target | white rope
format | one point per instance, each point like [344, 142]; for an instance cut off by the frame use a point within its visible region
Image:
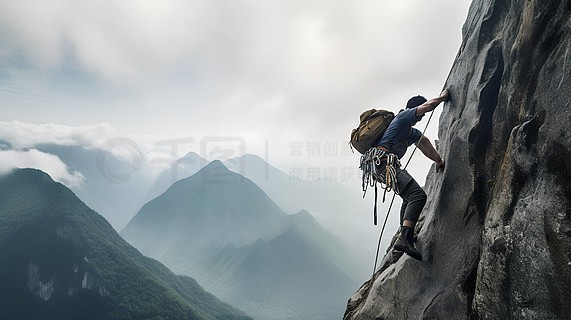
[373, 173]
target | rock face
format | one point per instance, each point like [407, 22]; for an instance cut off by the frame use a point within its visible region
[495, 234]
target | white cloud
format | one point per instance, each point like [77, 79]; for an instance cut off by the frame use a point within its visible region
[277, 71]
[49, 163]
[23, 139]
[21, 135]
[261, 42]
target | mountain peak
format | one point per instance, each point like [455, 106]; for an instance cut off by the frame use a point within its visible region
[251, 157]
[248, 160]
[19, 183]
[215, 165]
[216, 172]
[304, 216]
[30, 173]
[191, 158]
[191, 154]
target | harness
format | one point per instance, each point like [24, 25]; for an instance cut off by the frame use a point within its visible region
[373, 173]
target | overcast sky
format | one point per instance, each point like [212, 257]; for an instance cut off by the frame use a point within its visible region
[285, 80]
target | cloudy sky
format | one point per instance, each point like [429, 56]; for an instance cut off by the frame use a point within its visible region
[285, 80]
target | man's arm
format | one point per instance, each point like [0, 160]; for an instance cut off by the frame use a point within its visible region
[428, 150]
[432, 103]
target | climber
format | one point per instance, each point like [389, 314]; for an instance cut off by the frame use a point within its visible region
[397, 138]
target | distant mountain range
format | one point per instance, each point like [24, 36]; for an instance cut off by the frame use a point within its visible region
[336, 206]
[117, 187]
[61, 260]
[220, 227]
[180, 169]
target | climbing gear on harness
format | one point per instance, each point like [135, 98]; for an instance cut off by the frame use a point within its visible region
[374, 172]
[373, 124]
[404, 243]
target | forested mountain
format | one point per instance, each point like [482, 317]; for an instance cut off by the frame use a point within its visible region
[61, 260]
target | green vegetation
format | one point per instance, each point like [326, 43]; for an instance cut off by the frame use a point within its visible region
[61, 260]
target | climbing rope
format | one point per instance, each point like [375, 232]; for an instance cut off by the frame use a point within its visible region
[394, 194]
[370, 163]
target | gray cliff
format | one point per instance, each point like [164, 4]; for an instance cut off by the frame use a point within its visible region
[495, 234]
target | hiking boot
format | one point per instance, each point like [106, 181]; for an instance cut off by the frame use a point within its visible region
[404, 243]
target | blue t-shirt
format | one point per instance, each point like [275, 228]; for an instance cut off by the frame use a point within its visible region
[400, 134]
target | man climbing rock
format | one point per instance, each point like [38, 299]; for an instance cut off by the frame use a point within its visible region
[399, 135]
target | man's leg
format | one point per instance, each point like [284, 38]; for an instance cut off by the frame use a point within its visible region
[415, 198]
[403, 210]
